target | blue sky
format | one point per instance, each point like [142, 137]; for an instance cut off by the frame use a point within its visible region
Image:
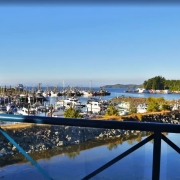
[105, 44]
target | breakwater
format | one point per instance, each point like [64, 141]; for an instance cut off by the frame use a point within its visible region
[73, 150]
[172, 117]
[43, 137]
[39, 138]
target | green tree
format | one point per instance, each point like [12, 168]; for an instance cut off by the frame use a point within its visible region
[132, 108]
[72, 113]
[165, 107]
[157, 104]
[157, 82]
[153, 104]
[160, 83]
[111, 110]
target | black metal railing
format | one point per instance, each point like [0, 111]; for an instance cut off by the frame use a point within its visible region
[156, 128]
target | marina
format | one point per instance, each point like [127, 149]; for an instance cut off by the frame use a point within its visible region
[89, 92]
[48, 101]
[42, 101]
[71, 155]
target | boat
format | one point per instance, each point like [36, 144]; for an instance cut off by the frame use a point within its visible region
[39, 96]
[123, 112]
[11, 109]
[94, 104]
[42, 108]
[3, 109]
[53, 94]
[142, 108]
[56, 112]
[71, 101]
[123, 105]
[46, 94]
[19, 87]
[23, 98]
[142, 90]
[123, 108]
[166, 91]
[101, 92]
[25, 111]
[2, 100]
[86, 93]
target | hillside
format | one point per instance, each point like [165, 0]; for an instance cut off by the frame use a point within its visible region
[130, 86]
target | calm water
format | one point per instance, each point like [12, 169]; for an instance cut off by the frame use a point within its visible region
[120, 92]
[75, 162]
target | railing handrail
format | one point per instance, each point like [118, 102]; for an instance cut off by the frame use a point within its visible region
[109, 124]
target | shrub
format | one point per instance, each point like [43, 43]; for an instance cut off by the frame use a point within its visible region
[153, 106]
[132, 108]
[72, 113]
[165, 107]
[112, 110]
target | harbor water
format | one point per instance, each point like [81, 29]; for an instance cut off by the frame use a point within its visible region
[76, 161]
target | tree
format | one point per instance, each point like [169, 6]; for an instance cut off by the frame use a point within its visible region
[160, 83]
[133, 108]
[112, 110]
[165, 107]
[157, 104]
[153, 105]
[157, 82]
[72, 113]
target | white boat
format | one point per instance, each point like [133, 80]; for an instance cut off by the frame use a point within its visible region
[11, 109]
[59, 104]
[54, 94]
[72, 101]
[94, 105]
[58, 113]
[123, 108]
[26, 112]
[39, 96]
[87, 93]
[41, 108]
[166, 91]
[123, 112]
[142, 90]
[142, 108]
[31, 99]
[175, 107]
[123, 105]
[19, 87]
[46, 94]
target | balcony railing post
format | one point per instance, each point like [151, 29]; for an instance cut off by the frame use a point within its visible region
[156, 155]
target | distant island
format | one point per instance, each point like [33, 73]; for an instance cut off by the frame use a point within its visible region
[129, 86]
[156, 83]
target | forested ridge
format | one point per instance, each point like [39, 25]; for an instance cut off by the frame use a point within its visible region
[160, 83]
[130, 86]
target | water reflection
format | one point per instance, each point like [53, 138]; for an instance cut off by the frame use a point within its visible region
[74, 150]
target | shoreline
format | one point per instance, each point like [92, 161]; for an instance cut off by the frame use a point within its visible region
[36, 138]
[39, 138]
[75, 149]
